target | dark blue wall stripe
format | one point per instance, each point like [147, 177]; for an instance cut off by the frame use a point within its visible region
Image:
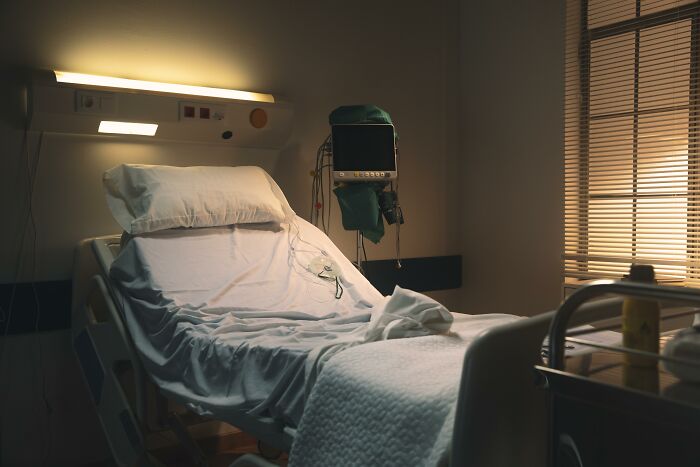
[54, 298]
[419, 274]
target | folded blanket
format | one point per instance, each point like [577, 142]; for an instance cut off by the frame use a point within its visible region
[403, 314]
[390, 402]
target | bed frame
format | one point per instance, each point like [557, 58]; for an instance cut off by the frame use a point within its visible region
[501, 415]
[131, 408]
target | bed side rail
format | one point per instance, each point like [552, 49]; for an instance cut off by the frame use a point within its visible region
[501, 417]
[102, 346]
[568, 310]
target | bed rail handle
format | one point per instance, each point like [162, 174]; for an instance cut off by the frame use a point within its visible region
[97, 282]
[558, 327]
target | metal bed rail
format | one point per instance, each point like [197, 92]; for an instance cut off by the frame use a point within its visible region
[601, 407]
[104, 346]
[560, 322]
[101, 345]
[501, 418]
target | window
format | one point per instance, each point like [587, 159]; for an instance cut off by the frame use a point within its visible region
[632, 174]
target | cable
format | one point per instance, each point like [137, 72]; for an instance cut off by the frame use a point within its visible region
[294, 239]
[32, 174]
[7, 318]
[362, 243]
[330, 179]
[399, 214]
[29, 221]
[320, 207]
[398, 245]
[35, 254]
[338, 289]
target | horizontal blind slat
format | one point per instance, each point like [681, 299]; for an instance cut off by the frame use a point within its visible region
[632, 139]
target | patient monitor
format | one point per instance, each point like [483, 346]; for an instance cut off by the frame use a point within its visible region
[363, 152]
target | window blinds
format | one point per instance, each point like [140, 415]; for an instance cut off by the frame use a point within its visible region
[632, 175]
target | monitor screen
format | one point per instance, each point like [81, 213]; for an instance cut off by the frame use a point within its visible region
[363, 147]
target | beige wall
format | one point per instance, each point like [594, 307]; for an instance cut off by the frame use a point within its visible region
[318, 54]
[511, 78]
[474, 87]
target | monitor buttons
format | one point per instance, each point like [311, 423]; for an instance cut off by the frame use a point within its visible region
[341, 174]
[357, 174]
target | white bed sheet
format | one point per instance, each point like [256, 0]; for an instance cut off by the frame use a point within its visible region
[224, 317]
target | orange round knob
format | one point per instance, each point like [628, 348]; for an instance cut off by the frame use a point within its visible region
[258, 118]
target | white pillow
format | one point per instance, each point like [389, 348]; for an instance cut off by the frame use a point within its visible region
[146, 198]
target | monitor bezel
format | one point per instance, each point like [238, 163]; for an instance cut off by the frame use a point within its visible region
[354, 176]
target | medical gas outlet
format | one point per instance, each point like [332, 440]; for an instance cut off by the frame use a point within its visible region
[201, 111]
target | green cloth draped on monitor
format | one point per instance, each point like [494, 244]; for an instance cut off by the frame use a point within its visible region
[359, 202]
[359, 206]
[360, 114]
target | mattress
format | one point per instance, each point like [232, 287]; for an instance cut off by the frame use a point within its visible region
[224, 318]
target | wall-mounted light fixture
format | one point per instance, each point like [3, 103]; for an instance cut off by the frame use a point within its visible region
[128, 128]
[82, 104]
[123, 83]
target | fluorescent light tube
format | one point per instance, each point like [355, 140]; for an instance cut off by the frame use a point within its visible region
[111, 82]
[128, 128]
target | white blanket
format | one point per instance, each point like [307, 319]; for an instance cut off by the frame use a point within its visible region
[230, 319]
[388, 403]
[225, 317]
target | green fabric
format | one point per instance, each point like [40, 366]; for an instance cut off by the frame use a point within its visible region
[359, 206]
[360, 114]
[359, 202]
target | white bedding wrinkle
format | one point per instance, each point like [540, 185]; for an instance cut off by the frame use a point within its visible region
[229, 320]
[404, 313]
[224, 317]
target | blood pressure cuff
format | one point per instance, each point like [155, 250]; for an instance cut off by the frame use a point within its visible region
[360, 114]
[359, 206]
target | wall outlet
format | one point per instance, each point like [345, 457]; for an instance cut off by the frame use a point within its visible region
[202, 111]
[92, 102]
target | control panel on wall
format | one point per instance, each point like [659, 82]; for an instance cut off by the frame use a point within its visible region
[64, 108]
[201, 111]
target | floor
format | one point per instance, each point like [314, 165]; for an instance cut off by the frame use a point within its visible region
[219, 453]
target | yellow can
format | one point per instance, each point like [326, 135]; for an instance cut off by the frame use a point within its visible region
[640, 321]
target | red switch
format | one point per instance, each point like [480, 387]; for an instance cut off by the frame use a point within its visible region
[189, 111]
[204, 112]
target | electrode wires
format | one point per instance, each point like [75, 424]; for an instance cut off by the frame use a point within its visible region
[321, 187]
[318, 278]
[399, 214]
[28, 232]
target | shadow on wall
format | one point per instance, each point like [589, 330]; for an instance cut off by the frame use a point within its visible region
[289, 163]
[13, 97]
[47, 417]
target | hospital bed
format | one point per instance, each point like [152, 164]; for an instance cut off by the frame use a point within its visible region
[139, 387]
[130, 406]
[498, 405]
